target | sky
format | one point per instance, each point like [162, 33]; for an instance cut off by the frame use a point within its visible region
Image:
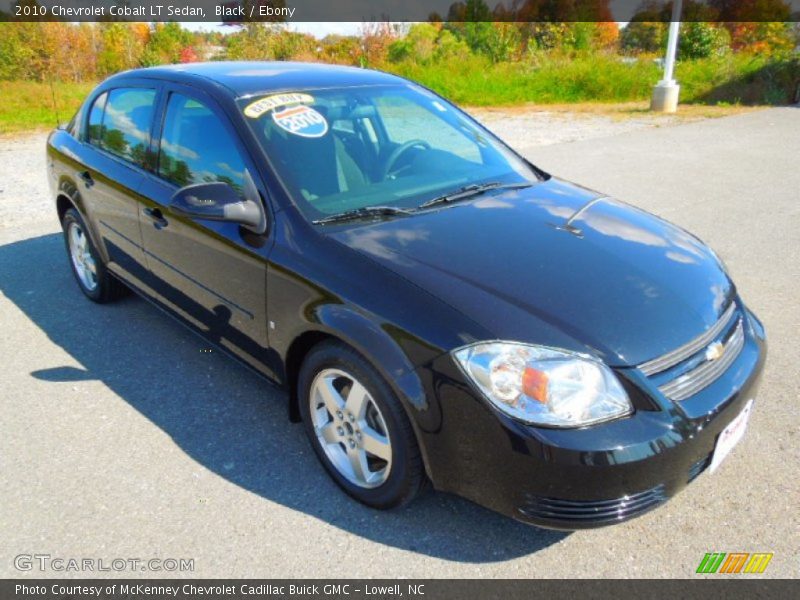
[319, 30]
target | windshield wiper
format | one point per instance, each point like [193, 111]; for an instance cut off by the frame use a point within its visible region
[366, 211]
[474, 190]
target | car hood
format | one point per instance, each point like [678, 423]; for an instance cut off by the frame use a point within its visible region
[554, 264]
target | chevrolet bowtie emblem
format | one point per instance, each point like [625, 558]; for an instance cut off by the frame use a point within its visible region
[714, 351]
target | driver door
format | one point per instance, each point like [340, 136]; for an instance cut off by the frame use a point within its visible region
[211, 273]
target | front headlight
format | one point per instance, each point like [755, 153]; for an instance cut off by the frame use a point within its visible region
[544, 386]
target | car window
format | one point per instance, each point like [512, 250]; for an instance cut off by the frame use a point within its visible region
[94, 129]
[405, 120]
[354, 147]
[126, 123]
[196, 147]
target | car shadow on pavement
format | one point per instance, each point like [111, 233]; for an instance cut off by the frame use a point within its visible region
[226, 417]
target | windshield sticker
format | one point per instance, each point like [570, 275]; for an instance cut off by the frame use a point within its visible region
[301, 120]
[264, 105]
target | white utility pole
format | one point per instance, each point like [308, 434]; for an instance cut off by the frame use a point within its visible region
[665, 94]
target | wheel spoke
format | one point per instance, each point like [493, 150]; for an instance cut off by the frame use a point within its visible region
[74, 236]
[357, 400]
[332, 399]
[90, 266]
[376, 444]
[328, 433]
[358, 462]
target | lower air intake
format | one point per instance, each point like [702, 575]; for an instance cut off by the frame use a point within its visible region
[593, 511]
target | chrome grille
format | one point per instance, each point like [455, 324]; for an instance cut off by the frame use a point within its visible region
[594, 512]
[695, 380]
[670, 359]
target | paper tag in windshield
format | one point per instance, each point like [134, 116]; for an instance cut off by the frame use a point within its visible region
[268, 103]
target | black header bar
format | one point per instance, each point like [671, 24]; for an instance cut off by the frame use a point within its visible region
[234, 11]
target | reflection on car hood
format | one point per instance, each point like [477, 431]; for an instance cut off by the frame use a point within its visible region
[549, 265]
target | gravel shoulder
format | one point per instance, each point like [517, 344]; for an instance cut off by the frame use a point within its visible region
[24, 196]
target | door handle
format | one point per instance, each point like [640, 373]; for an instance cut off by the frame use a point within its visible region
[159, 222]
[87, 178]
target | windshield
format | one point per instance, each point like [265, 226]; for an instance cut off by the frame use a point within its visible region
[399, 146]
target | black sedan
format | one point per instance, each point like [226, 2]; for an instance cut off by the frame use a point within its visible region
[438, 309]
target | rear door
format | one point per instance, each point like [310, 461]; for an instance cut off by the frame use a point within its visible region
[117, 137]
[213, 274]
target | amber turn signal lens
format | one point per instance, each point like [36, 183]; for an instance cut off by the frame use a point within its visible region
[534, 384]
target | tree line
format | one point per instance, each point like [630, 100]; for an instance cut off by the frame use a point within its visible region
[39, 51]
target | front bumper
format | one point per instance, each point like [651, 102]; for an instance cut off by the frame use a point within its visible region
[581, 478]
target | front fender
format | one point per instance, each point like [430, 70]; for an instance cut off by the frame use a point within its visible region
[378, 345]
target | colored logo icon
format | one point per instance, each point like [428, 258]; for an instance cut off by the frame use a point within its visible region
[734, 562]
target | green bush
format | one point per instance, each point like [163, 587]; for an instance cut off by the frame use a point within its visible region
[551, 36]
[739, 79]
[502, 41]
[426, 42]
[643, 36]
[703, 40]
[418, 44]
[450, 48]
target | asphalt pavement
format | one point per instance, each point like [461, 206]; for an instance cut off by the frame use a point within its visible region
[121, 438]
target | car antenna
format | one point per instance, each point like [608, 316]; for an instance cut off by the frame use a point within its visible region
[53, 95]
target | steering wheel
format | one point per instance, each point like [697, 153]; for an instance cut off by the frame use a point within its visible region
[398, 152]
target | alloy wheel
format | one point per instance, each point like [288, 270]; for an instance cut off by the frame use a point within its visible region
[350, 428]
[81, 256]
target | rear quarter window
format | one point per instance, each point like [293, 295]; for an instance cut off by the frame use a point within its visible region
[94, 126]
[126, 121]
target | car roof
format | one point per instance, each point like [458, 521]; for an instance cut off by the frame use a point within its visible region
[243, 78]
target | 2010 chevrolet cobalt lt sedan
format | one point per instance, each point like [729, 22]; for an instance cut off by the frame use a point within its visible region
[438, 309]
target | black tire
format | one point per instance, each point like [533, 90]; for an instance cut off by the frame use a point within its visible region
[406, 477]
[108, 288]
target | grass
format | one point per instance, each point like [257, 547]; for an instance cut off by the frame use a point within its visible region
[477, 82]
[604, 78]
[28, 105]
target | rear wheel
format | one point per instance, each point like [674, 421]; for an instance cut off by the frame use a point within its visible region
[358, 428]
[91, 274]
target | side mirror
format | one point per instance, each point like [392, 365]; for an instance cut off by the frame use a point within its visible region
[218, 201]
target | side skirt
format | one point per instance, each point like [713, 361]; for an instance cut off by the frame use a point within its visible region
[192, 328]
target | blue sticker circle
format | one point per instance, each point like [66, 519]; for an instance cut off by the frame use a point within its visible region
[301, 120]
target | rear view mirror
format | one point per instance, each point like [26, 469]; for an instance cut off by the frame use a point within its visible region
[219, 201]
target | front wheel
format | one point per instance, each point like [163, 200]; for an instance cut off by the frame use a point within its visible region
[91, 274]
[358, 428]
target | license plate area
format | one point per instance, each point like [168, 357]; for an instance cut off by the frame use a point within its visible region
[730, 436]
